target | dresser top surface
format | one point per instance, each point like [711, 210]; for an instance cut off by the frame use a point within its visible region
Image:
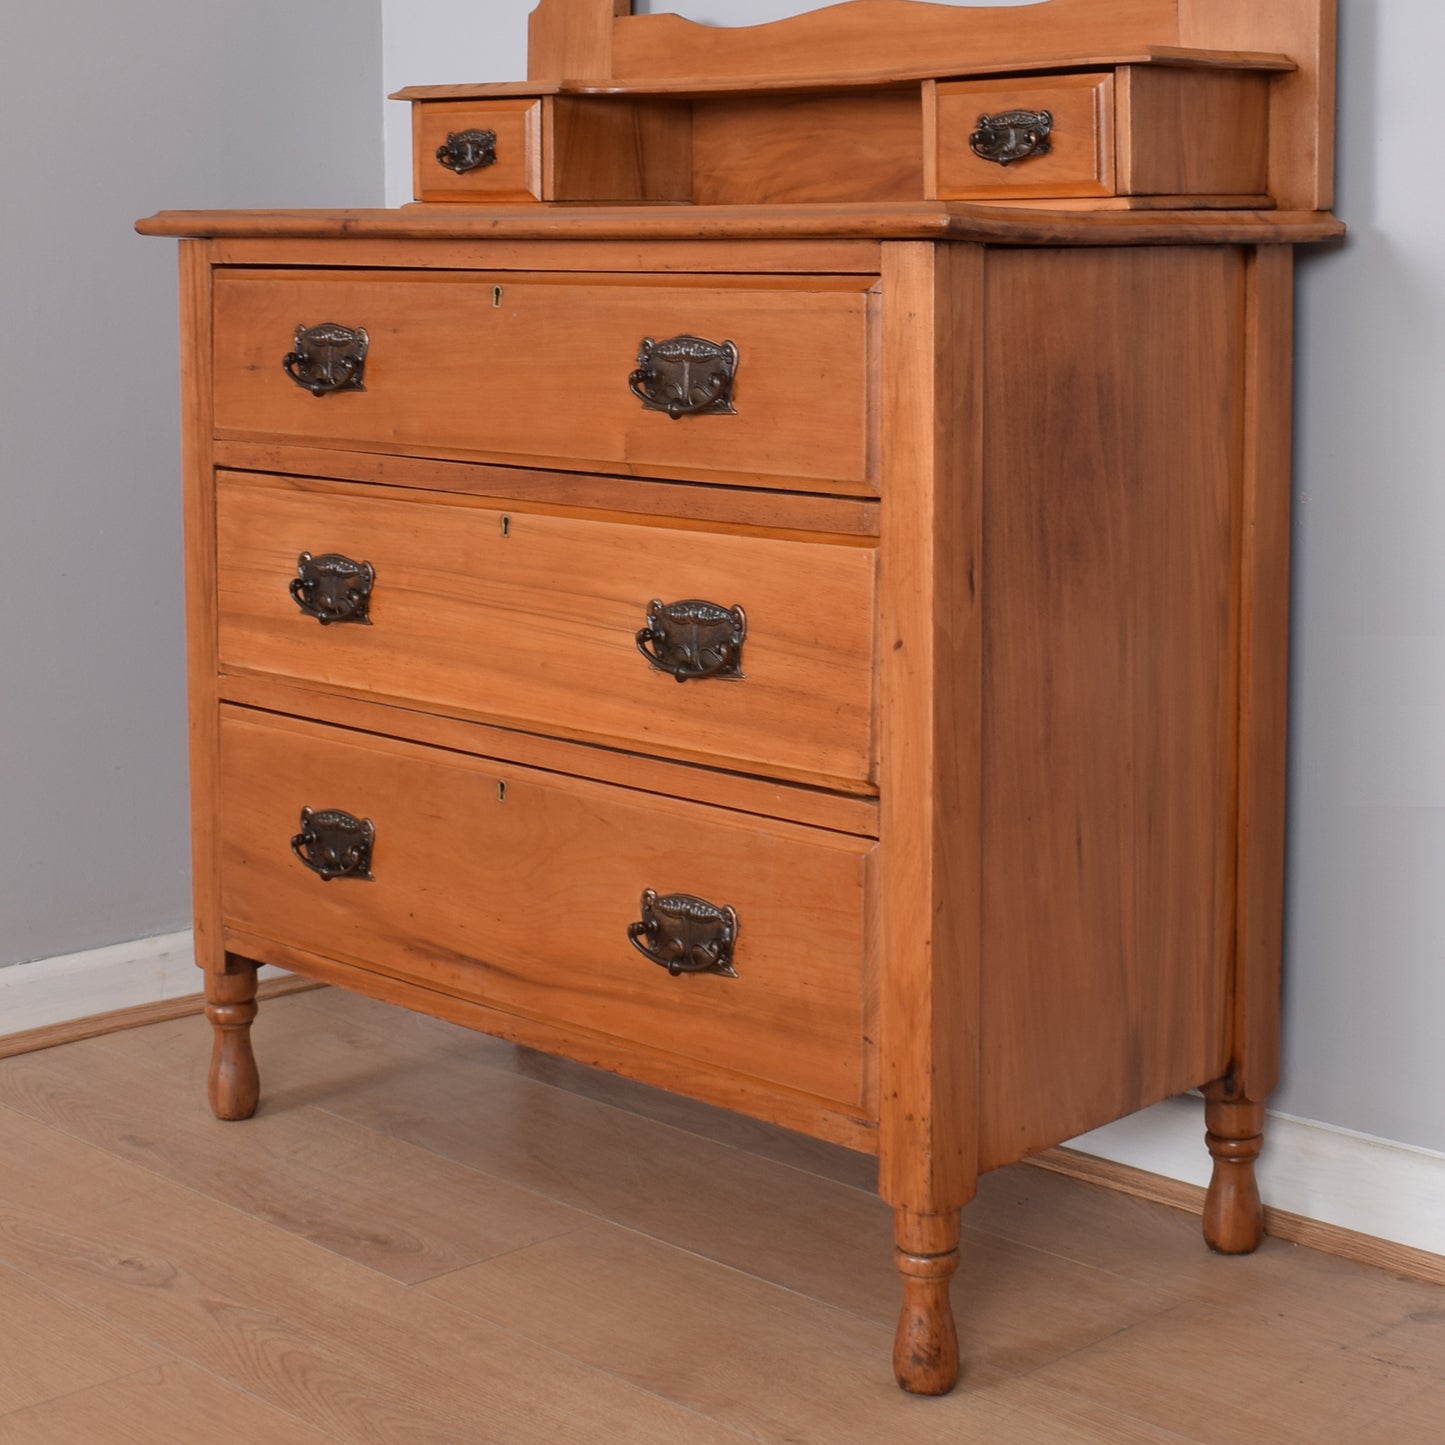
[980, 223]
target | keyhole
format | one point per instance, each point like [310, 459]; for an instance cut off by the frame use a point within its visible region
[506, 526]
[496, 296]
[501, 792]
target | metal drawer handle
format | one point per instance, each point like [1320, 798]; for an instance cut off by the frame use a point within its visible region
[684, 934]
[1012, 135]
[468, 150]
[333, 588]
[333, 844]
[694, 639]
[685, 376]
[327, 358]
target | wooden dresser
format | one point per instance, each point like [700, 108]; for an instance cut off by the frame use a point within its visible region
[771, 576]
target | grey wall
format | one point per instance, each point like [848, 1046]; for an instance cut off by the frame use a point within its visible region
[1365, 963]
[108, 112]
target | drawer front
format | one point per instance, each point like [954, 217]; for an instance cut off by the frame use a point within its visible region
[533, 620]
[1080, 139]
[490, 151]
[541, 369]
[519, 889]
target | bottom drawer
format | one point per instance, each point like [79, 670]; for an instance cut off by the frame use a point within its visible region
[525, 890]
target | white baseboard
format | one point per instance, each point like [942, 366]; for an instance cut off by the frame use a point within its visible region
[1368, 1185]
[100, 980]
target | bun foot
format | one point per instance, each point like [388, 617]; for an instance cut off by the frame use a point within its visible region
[234, 1086]
[925, 1349]
[1233, 1213]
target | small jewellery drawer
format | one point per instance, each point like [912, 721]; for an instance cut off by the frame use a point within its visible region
[739, 650]
[736, 940]
[1138, 130]
[762, 379]
[480, 151]
[1052, 136]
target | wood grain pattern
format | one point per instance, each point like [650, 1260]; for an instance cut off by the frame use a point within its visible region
[1194, 57]
[1302, 102]
[930, 657]
[618, 150]
[504, 614]
[930, 646]
[819, 1119]
[1080, 161]
[198, 515]
[650, 775]
[815, 257]
[957, 221]
[300, 1169]
[457, 366]
[331, 1343]
[688, 506]
[1051, 1267]
[61, 1347]
[1192, 132]
[1111, 689]
[805, 149]
[168, 1404]
[516, 175]
[522, 900]
[872, 36]
[572, 37]
[1264, 673]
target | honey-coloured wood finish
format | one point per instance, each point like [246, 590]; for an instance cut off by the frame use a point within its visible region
[1080, 159]
[604, 150]
[505, 614]
[997, 804]
[516, 888]
[514, 175]
[536, 369]
[1192, 132]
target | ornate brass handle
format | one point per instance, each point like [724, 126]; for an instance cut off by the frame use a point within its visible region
[327, 358]
[333, 588]
[694, 639]
[333, 844]
[684, 934]
[685, 376]
[1012, 135]
[468, 150]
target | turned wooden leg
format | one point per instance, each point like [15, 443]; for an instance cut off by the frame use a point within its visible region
[925, 1349]
[235, 1085]
[1233, 1214]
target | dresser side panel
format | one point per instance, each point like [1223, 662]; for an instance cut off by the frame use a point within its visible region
[199, 521]
[1113, 464]
[930, 645]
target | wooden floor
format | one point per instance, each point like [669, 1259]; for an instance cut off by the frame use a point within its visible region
[427, 1236]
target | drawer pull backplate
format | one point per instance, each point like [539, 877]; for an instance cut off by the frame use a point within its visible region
[333, 844]
[694, 639]
[684, 934]
[685, 376]
[1012, 135]
[327, 358]
[468, 150]
[333, 588]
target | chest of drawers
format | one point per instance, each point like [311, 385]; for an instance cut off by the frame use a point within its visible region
[824, 659]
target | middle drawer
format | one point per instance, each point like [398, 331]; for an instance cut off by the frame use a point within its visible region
[555, 623]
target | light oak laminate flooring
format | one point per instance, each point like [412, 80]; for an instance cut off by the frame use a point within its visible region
[430, 1236]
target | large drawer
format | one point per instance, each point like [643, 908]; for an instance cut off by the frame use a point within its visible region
[532, 620]
[517, 889]
[539, 368]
